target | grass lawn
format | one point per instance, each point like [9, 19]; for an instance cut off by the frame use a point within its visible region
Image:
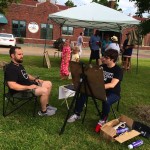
[21, 131]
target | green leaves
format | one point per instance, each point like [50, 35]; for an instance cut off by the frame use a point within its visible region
[70, 3]
[5, 3]
[145, 27]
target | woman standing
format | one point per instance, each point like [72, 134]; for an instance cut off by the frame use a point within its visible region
[64, 68]
[114, 45]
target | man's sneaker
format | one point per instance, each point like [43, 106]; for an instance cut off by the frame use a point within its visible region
[47, 113]
[99, 125]
[49, 107]
[73, 118]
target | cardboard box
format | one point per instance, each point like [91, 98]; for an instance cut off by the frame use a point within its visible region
[108, 132]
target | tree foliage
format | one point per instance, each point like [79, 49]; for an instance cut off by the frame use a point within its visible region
[102, 2]
[70, 3]
[143, 7]
[145, 27]
[105, 3]
[5, 3]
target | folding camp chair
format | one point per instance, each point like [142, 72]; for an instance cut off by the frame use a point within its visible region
[118, 102]
[13, 102]
[66, 91]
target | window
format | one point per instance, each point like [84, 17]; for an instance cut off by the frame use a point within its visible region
[46, 31]
[19, 28]
[67, 30]
[88, 32]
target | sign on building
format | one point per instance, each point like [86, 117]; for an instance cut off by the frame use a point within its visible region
[33, 27]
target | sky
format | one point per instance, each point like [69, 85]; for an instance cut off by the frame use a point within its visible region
[127, 7]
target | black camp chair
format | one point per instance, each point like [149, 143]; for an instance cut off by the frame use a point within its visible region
[13, 102]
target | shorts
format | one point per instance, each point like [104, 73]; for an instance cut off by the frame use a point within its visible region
[127, 52]
[94, 54]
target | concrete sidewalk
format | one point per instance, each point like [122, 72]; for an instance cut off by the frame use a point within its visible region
[39, 50]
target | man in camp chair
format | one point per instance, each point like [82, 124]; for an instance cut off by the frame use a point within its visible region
[18, 80]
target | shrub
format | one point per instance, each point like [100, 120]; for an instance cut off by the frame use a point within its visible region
[21, 40]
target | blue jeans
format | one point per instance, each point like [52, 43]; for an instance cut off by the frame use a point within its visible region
[111, 98]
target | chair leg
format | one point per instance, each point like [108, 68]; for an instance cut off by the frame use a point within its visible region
[85, 111]
[6, 102]
[118, 105]
[113, 112]
[4, 106]
[35, 104]
[9, 101]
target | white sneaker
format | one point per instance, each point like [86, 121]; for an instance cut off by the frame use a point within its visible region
[47, 113]
[73, 118]
[51, 108]
[101, 122]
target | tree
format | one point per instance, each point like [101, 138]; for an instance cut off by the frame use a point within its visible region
[5, 3]
[143, 7]
[102, 2]
[145, 27]
[70, 3]
[105, 3]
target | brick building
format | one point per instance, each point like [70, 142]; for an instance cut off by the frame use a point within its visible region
[29, 20]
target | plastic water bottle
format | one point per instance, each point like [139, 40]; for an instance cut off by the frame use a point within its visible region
[135, 144]
[122, 130]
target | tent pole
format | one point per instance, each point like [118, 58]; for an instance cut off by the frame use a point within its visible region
[120, 39]
[120, 36]
[137, 65]
[61, 25]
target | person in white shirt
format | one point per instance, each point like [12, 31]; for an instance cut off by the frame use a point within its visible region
[80, 43]
[114, 45]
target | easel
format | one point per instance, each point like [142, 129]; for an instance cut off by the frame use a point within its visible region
[46, 59]
[46, 55]
[82, 87]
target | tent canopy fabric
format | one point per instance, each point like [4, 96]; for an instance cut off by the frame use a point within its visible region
[3, 19]
[95, 16]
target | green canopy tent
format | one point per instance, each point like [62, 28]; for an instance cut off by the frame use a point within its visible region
[3, 19]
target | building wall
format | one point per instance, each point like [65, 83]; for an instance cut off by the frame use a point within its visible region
[32, 11]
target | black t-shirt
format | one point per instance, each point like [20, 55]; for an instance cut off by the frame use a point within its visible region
[18, 74]
[109, 74]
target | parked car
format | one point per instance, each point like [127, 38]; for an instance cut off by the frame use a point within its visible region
[7, 39]
[58, 43]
